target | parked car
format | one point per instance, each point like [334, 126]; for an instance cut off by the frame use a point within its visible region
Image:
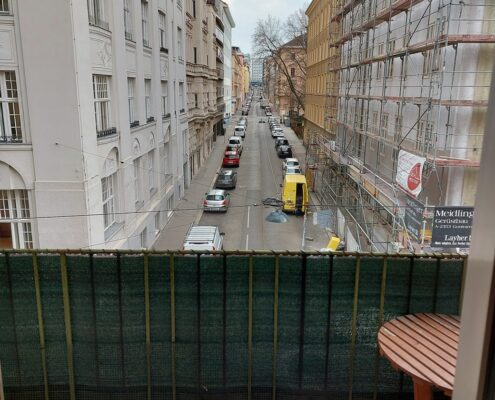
[245, 111]
[290, 162]
[268, 113]
[275, 126]
[203, 238]
[281, 141]
[227, 179]
[284, 151]
[231, 159]
[293, 170]
[236, 141]
[216, 200]
[232, 147]
[276, 133]
[240, 130]
[243, 121]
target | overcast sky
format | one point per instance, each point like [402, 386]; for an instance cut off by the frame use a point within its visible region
[247, 12]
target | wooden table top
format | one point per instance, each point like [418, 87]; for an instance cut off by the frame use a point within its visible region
[423, 346]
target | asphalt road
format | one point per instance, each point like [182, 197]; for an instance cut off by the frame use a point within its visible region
[259, 176]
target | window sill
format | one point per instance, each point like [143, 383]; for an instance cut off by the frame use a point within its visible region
[106, 133]
[163, 50]
[150, 119]
[134, 124]
[166, 116]
[112, 230]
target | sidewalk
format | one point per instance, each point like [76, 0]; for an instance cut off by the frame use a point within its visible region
[173, 234]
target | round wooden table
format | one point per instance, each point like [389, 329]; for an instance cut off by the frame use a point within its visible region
[423, 346]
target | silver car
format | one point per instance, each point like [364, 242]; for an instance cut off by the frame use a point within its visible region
[216, 201]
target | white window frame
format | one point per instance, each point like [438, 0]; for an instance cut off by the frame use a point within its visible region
[97, 13]
[15, 210]
[131, 100]
[162, 29]
[145, 24]
[128, 20]
[102, 102]
[151, 171]
[164, 89]
[5, 7]
[180, 49]
[109, 200]
[137, 178]
[10, 113]
[148, 103]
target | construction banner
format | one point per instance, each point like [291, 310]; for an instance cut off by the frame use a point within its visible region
[410, 172]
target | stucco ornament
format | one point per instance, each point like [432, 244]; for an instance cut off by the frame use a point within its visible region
[136, 147]
[104, 54]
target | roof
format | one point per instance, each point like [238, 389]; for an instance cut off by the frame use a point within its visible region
[291, 159]
[298, 41]
[295, 178]
[200, 232]
[216, 191]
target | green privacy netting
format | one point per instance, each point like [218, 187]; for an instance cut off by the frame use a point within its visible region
[205, 341]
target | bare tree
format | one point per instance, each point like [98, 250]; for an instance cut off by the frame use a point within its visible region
[283, 46]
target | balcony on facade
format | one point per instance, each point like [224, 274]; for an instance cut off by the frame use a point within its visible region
[219, 36]
[220, 56]
[9, 139]
[106, 133]
[220, 73]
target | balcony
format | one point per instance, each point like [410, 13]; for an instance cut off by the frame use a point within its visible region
[220, 72]
[221, 107]
[10, 139]
[220, 55]
[219, 35]
[106, 133]
[316, 316]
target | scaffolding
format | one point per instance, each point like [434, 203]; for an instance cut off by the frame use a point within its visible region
[408, 75]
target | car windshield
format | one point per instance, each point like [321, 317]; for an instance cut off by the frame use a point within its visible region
[215, 197]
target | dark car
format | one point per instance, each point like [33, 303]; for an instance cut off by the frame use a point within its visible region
[284, 151]
[227, 179]
[281, 141]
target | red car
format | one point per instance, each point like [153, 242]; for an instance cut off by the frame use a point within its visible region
[231, 159]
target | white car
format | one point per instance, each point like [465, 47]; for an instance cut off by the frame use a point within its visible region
[237, 142]
[293, 171]
[290, 162]
[277, 133]
[240, 130]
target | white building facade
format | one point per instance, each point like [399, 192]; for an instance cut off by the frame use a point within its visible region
[94, 133]
[229, 24]
[257, 71]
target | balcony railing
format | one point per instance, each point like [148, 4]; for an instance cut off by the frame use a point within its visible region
[106, 132]
[10, 139]
[301, 325]
[219, 34]
[96, 21]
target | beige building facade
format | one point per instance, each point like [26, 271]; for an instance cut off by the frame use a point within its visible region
[204, 70]
[237, 79]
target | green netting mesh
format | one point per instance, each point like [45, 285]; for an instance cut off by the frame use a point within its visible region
[326, 331]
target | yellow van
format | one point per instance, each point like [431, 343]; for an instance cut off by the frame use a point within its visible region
[295, 194]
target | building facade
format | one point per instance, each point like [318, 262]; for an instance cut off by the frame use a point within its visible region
[93, 154]
[317, 76]
[285, 76]
[237, 79]
[256, 71]
[408, 113]
[228, 23]
[204, 47]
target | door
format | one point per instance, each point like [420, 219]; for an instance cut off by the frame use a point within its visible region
[299, 197]
[6, 236]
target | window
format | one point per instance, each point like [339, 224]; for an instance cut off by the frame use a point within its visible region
[137, 182]
[162, 28]
[101, 95]
[374, 123]
[128, 19]
[142, 236]
[194, 8]
[157, 222]
[195, 100]
[4, 7]
[10, 115]
[384, 125]
[108, 190]
[165, 169]
[181, 97]
[292, 72]
[15, 224]
[390, 68]
[144, 24]
[147, 100]
[165, 112]
[131, 84]
[179, 44]
[96, 13]
[151, 171]
[170, 206]
[195, 52]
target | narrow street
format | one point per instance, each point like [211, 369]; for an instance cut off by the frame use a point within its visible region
[259, 176]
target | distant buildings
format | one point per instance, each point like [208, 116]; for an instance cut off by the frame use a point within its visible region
[256, 71]
[93, 140]
[229, 24]
[238, 79]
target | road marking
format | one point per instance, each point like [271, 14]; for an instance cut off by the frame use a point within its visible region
[247, 241]
[249, 209]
